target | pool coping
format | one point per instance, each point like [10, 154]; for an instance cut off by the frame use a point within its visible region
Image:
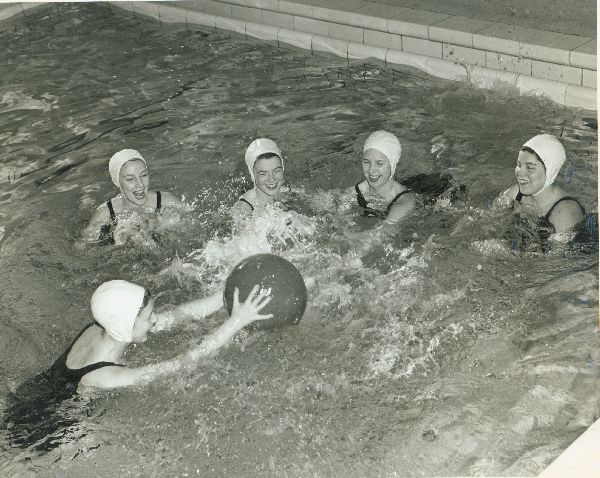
[578, 458]
[559, 66]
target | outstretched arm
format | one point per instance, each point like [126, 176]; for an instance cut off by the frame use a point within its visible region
[241, 315]
[194, 309]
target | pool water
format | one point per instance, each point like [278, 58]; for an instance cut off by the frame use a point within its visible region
[440, 352]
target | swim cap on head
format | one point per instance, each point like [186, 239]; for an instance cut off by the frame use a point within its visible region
[387, 144]
[118, 160]
[115, 305]
[551, 152]
[257, 147]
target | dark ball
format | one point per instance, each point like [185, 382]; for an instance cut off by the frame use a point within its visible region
[274, 273]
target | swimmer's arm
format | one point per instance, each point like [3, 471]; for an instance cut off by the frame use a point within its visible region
[195, 309]
[506, 198]
[92, 231]
[565, 216]
[114, 377]
[242, 314]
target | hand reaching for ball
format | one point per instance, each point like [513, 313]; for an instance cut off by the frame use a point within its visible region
[247, 312]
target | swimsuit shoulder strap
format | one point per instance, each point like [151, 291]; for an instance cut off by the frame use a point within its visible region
[566, 198]
[247, 202]
[158, 201]
[75, 374]
[397, 197]
[360, 199]
[519, 197]
[95, 366]
[111, 210]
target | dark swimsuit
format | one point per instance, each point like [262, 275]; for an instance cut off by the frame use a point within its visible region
[544, 221]
[586, 230]
[371, 212]
[107, 231]
[32, 411]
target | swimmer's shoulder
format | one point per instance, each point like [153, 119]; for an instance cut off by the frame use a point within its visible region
[403, 195]
[169, 199]
[400, 188]
[102, 214]
[245, 202]
[363, 187]
[511, 192]
[566, 213]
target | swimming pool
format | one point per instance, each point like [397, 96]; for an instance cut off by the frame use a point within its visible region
[442, 353]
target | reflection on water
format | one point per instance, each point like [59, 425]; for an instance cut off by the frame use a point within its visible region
[440, 351]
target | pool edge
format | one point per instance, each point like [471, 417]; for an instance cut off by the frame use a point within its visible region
[566, 75]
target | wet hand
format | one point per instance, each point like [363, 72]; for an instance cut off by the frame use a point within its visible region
[248, 311]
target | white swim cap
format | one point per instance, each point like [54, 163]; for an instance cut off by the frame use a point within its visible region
[118, 160]
[257, 147]
[551, 152]
[115, 306]
[387, 144]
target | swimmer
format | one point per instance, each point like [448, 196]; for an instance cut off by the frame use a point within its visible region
[265, 165]
[136, 205]
[380, 195]
[538, 164]
[123, 314]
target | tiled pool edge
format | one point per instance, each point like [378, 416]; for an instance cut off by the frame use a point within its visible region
[248, 17]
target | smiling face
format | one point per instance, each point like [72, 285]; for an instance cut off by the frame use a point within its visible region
[530, 173]
[268, 175]
[376, 168]
[134, 181]
[144, 321]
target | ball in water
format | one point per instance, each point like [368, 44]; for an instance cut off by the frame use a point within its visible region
[277, 275]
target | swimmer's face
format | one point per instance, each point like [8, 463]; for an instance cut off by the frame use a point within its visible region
[268, 175]
[530, 173]
[134, 181]
[376, 168]
[144, 321]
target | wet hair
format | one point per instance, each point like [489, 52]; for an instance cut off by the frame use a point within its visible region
[529, 150]
[267, 155]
